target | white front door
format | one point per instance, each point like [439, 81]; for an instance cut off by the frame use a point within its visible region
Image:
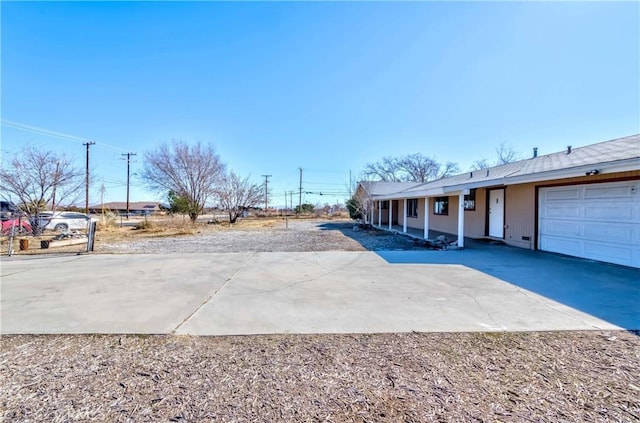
[496, 213]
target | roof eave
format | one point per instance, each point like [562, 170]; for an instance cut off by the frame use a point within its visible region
[626, 165]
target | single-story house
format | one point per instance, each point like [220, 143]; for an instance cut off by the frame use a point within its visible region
[583, 202]
[142, 208]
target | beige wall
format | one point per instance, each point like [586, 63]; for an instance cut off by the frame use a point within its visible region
[475, 220]
[519, 216]
[415, 222]
[447, 223]
[520, 210]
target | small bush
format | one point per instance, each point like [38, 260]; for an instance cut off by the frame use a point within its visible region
[108, 220]
[145, 224]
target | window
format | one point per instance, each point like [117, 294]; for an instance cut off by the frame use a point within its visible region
[412, 207]
[470, 200]
[385, 205]
[441, 205]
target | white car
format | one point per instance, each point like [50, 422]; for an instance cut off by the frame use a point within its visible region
[64, 221]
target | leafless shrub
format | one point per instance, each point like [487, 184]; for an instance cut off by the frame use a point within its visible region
[236, 195]
[193, 172]
[36, 179]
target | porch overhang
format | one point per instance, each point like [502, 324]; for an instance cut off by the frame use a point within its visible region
[627, 165]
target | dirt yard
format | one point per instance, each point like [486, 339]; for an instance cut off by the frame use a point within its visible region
[415, 377]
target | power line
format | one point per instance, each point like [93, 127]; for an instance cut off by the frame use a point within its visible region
[55, 134]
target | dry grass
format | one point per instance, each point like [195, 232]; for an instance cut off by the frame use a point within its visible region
[561, 376]
[169, 226]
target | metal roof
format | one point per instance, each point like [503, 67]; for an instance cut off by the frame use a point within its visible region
[622, 154]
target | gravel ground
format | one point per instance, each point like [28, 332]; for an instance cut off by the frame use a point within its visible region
[552, 377]
[556, 376]
[301, 235]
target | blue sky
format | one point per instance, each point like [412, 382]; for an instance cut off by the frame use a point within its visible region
[326, 86]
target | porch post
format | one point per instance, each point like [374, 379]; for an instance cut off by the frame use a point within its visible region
[390, 213]
[404, 219]
[426, 217]
[370, 204]
[379, 213]
[461, 219]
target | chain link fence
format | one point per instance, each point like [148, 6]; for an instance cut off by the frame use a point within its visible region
[18, 236]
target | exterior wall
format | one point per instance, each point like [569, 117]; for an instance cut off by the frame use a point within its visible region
[520, 206]
[417, 222]
[475, 220]
[385, 216]
[449, 223]
[519, 215]
[413, 222]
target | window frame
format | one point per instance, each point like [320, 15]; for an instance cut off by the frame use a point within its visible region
[441, 206]
[470, 200]
[384, 205]
[412, 207]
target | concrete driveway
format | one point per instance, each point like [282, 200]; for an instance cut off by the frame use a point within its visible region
[254, 293]
[607, 291]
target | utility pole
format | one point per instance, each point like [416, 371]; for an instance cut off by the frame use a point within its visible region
[300, 192]
[266, 193]
[86, 182]
[128, 165]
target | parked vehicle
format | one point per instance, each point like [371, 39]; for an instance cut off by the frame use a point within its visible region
[7, 210]
[18, 226]
[63, 221]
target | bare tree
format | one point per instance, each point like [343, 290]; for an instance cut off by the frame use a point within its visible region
[36, 179]
[236, 194]
[385, 170]
[410, 168]
[504, 154]
[480, 164]
[192, 172]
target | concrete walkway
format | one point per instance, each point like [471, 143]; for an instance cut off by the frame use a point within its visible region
[254, 293]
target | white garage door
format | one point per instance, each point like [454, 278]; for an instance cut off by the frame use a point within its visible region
[595, 221]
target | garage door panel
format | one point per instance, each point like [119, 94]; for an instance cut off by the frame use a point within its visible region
[608, 252]
[595, 221]
[612, 213]
[562, 228]
[562, 211]
[610, 192]
[561, 245]
[610, 233]
[563, 194]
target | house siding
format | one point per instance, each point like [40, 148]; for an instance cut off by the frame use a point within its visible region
[521, 207]
[449, 223]
[474, 220]
[415, 222]
[520, 215]
[520, 210]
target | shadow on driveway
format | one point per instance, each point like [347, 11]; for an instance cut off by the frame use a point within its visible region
[607, 291]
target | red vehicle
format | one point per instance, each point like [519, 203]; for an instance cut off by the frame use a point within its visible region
[19, 226]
